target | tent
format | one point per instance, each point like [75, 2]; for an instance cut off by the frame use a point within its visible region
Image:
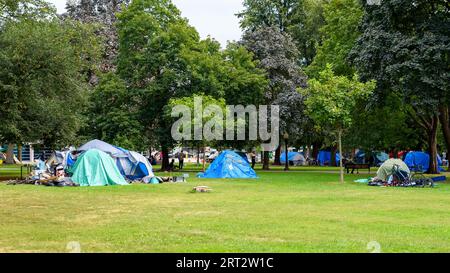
[132, 165]
[243, 155]
[96, 168]
[295, 157]
[104, 147]
[229, 165]
[142, 166]
[324, 158]
[135, 166]
[360, 157]
[379, 158]
[420, 161]
[386, 168]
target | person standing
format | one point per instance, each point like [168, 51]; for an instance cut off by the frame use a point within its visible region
[181, 160]
[253, 156]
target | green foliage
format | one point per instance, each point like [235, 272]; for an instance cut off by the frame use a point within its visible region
[161, 57]
[138, 24]
[112, 116]
[340, 32]
[405, 46]
[269, 13]
[42, 81]
[244, 81]
[383, 127]
[331, 99]
[17, 10]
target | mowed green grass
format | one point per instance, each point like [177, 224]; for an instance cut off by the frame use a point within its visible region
[279, 212]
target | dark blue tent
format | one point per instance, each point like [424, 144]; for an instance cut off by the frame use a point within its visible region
[324, 158]
[420, 161]
[229, 165]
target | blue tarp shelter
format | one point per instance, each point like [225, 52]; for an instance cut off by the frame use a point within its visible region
[380, 158]
[420, 161]
[135, 166]
[295, 157]
[229, 165]
[324, 158]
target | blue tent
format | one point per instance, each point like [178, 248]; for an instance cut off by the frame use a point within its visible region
[292, 157]
[360, 157]
[420, 161]
[380, 158]
[324, 158]
[135, 166]
[131, 165]
[229, 165]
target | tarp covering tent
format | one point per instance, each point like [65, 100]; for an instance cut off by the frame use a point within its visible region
[229, 165]
[104, 147]
[379, 158]
[142, 166]
[96, 168]
[420, 161]
[135, 166]
[386, 168]
[324, 158]
[132, 165]
[295, 157]
[243, 155]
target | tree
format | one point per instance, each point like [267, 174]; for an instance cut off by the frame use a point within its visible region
[299, 18]
[42, 91]
[102, 13]
[18, 10]
[405, 47]
[206, 119]
[113, 115]
[268, 13]
[331, 101]
[340, 31]
[277, 55]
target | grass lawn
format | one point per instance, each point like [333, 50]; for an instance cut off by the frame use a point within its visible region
[280, 212]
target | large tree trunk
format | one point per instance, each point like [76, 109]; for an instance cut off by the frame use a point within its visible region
[316, 148]
[198, 155]
[445, 125]
[277, 160]
[266, 161]
[204, 160]
[432, 145]
[341, 167]
[333, 156]
[165, 159]
[10, 154]
[19, 152]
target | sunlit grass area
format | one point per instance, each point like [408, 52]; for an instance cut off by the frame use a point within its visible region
[279, 212]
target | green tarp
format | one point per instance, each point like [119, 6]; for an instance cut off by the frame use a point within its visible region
[96, 168]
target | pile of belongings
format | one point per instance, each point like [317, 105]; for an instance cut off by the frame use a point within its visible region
[395, 173]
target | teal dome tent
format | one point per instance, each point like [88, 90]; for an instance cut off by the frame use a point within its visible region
[96, 168]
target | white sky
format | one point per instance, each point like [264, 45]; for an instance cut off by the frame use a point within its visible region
[210, 17]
